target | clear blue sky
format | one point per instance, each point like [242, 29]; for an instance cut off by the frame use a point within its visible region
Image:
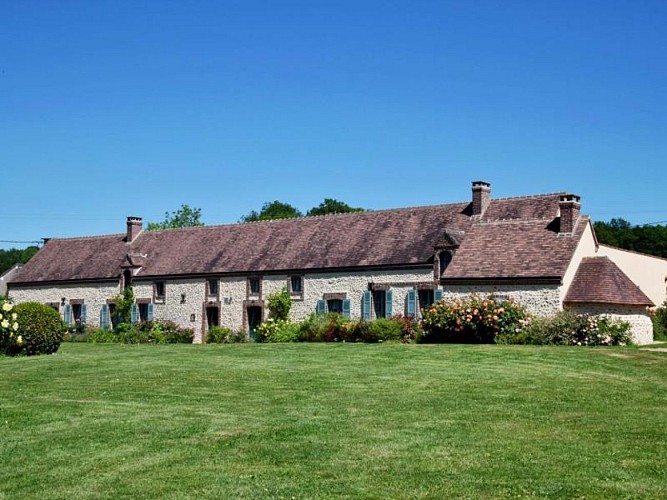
[117, 108]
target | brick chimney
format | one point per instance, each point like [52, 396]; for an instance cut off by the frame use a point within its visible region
[481, 197]
[569, 212]
[134, 226]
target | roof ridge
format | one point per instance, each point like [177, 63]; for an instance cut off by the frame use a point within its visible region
[543, 195]
[92, 237]
[310, 217]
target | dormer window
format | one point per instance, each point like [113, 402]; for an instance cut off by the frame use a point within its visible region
[445, 258]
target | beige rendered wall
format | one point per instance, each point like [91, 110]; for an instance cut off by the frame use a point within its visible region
[642, 326]
[586, 248]
[647, 272]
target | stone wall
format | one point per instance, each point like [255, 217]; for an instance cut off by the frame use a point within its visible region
[642, 326]
[93, 296]
[541, 300]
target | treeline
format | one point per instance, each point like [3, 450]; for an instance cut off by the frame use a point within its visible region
[15, 256]
[645, 239]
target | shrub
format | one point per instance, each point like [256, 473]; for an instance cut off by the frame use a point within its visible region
[568, 328]
[379, 330]
[277, 330]
[40, 329]
[659, 319]
[280, 304]
[100, 336]
[473, 320]
[330, 327]
[222, 335]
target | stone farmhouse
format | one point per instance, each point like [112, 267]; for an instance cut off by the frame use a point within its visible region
[539, 250]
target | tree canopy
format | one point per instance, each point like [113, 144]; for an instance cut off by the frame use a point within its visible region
[278, 210]
[183, 217]
[332, 206]
[15, 256]
[645, 239]
[272, 210]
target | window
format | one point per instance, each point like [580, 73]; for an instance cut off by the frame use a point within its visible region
[296, 285]
[445, 258]
[143, 312]
[379, 303]
[159, 289]
[426, 298]
[212, 287]
[335, 306]
[254, 286]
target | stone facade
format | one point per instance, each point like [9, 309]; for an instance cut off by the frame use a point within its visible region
[537, 299]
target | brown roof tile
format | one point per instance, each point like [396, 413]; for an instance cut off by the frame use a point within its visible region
[515, 238]
[599, 281]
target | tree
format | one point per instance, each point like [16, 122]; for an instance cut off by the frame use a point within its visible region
[331, 206]
[620, 233]
[15, 256]
[183, 217]
[272, 210]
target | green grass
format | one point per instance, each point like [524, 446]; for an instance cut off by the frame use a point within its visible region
[320, 421]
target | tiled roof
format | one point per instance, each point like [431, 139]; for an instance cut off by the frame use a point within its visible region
[599, 281]
[516, 237]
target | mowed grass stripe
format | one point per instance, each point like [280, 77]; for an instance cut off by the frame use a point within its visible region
[333, 420]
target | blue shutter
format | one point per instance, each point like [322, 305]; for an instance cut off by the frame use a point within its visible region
[83, 314]
[104, 317]
[150, 312]
[388, 302]
[67, 317]
[366, 302]
[346, 308]
[134, 313]
[321, 307]
[412, 302]
[437, 295]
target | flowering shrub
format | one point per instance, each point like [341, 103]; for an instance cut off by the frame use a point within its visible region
[568, 328]
[277, 330]
[659, 319]
[40, 329]
[10, 340]
[473, 320]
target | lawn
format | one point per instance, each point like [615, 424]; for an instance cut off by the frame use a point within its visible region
[334, 420]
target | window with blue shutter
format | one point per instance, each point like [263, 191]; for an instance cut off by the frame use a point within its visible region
[150, 312]
[104, 317]
[389, 300]
[83, 314]
[366, 304]
[68, 314]
[438, 295]
[134, 313]
[346, 308]
[321, 307]
[411, 309]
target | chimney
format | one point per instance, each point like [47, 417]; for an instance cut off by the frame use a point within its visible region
[481, 197]
[134, 226]
[569, 212]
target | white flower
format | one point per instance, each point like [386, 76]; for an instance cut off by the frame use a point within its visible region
[19, 340]
[15, 326]
[6, 306]
[0, 316]
[14, 316]
[5, 323]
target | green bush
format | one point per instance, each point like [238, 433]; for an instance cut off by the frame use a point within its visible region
[280, 304]
[222, 335]
[659, 319]
[277, 331]
[568, 328]
[40, 329]
[330, 327]
[100, 336]
[473, 320]
[379, 330]
[146, 332]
